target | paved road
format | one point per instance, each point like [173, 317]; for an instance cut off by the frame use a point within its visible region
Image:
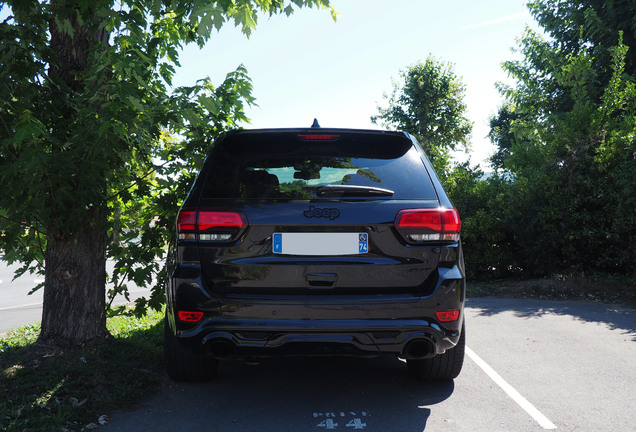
[531, 366]
[18, 308]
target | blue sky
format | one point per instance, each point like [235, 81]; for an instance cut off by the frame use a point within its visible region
[307, 66]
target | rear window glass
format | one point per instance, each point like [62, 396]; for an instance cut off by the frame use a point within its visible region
[277, 166]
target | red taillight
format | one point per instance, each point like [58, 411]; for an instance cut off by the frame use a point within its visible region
[216, 219]
[420, 225]
[428, 219]
[318, 137]
[452, 224]
[188, 316]
[187, 221]
[447, 316]
[210, 225]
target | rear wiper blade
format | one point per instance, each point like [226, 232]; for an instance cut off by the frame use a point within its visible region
[352, 190]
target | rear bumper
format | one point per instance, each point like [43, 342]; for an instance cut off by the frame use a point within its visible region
[408, 339]
[241, 326]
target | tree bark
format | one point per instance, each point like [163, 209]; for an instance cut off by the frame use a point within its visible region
[74, 291]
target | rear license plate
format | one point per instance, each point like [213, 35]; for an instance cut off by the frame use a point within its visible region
[320, 243]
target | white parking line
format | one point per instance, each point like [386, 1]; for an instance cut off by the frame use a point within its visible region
[510, 391]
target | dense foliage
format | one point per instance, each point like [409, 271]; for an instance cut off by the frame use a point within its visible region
[563, 195]
[97, 148]
[567, 140]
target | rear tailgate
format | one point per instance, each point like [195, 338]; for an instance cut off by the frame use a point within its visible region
[335, 247]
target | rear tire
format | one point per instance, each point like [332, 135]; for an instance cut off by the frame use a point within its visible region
[184, 365]
[443, 367]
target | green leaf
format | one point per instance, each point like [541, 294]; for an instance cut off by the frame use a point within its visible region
[209, 104]
[136, 103]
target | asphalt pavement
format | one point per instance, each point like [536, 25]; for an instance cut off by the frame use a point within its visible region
[531, 365]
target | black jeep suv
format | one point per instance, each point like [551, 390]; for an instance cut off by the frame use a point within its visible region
[316, 242]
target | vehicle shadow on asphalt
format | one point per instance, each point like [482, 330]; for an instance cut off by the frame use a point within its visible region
[294, 394]
[616, 317]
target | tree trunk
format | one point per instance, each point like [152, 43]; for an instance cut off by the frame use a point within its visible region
[75, 257]
[74, 289]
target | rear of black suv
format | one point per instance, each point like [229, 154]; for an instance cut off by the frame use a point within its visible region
[316, 242]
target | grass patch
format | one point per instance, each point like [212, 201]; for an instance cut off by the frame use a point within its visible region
[72, 389]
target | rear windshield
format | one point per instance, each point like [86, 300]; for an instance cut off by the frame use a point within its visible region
[284, 166]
